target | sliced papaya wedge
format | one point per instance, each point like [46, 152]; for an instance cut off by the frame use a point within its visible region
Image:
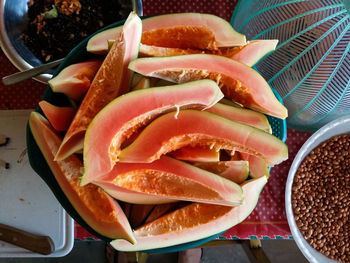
[111, 80]
[248, 54]
[235, 171]
[119, 119]
[242, 115]
[257, 166]
[138, 214]
[173, 179]
[193, 127]
[236, 80]
[75, 80]
[196, 154]
[98, 209]
[59, 117]
[182, 30]
[193, 222]
[160, 210]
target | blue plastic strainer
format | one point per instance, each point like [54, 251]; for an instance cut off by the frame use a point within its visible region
[310, 68]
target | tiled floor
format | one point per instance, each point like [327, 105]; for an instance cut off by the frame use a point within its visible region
[278, 251]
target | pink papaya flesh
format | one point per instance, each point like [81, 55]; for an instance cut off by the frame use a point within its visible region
[242, 115]
[111, 80]
[173, 179]
[173, 30]
[235, 171]
[193, 127]
[98, 209]
[75, 80]
[248, 54]
[193, 222]
[59, 117]
[119, 119]
[196, 154]
[237, 81]
[255, 50]
[257, 166]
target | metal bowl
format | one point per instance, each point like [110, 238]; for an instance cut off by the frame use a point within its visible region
[336, 127]
[13, 21]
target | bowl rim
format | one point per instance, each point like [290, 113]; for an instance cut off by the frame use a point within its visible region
[324, 133]
[17, 60]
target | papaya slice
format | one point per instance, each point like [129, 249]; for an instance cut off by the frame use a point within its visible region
[129, 196]
[242, 115]
[196, 154]
[75, 80]
[139, 213]
[255, 50]
[144, 83]
[235, 171]
[59, 117]
[182, 30]
[173, 179]
[248, 54]
[98, 209]
[111, 80]
[193, 222]
[193, 127]
[160, 210]
[236, 80]
[257, 166]
[118, 120]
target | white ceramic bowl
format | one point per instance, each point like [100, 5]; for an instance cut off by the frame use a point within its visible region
[336, 127]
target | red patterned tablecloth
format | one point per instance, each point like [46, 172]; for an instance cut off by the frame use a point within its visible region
[268, 220]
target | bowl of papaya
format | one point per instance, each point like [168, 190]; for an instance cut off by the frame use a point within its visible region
[41, 166]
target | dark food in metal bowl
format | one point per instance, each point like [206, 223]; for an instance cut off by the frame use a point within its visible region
[321, 198]
[56, 26]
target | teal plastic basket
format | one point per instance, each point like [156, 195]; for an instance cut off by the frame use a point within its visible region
[310, 67]
[40, 166]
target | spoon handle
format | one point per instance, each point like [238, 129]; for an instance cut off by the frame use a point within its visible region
[20, 76]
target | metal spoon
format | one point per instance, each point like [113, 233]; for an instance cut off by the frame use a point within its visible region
[20, 76]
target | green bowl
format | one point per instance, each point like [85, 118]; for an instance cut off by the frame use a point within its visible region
[38, 163]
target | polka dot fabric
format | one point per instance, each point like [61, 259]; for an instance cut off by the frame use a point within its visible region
[268, 220]
[222, 8]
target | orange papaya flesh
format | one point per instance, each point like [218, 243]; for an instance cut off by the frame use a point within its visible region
[172, 179]
[130, 196]
[193, 127]
[196, 154]
[193, 222]
[138, 214]
[59, 117]
[205, 31]
[75, 80]
[124, 115]
[242, 115]
[160, 210]
[181, 37]
[111, 80]
[236, 171]
[98, 209]
[236, 80]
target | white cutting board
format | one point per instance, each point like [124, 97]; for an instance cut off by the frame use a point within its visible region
[26, 202]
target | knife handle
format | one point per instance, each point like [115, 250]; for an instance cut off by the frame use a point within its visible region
[36, 243]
